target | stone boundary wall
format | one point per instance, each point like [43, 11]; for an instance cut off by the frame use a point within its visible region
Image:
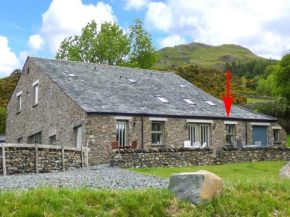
[30, 158]
[176, 157]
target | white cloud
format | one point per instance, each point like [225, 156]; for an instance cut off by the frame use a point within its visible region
[65, 18]
[261, 26]
[171, 41]
[136, 4]
[35, 42]
[8, 59]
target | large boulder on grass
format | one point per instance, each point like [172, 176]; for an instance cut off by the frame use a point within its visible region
[196, 187]
[285, 171]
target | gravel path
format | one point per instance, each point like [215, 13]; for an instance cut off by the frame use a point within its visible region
[102, 176]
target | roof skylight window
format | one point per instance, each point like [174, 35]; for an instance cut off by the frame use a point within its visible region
[183, 86]
[189, 101]
[71, 74]
[209, 102]
[131, 80]
[162, 99]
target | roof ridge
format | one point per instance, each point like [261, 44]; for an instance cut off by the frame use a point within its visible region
[100, 64]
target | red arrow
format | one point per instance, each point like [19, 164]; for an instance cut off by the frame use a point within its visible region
[228, 100]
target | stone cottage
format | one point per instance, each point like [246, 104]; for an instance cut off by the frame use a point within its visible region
[84, 104]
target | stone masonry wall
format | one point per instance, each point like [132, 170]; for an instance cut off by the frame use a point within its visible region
[20, 159]
[101, 132]
[55, 114]
[176, 157]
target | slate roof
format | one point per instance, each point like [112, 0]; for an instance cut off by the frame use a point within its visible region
[106, 89]
[2, 138]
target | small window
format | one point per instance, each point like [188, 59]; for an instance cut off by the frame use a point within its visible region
[35, 95]
[19, 103]
[35, 139]
[121, 133]
[209, 102]
[230, 133]
[27, 71]
[20, 140]
[276, 133]
[189, 101]
[71, 74]
[78, 136]
[162, 99]
[131, 80]
[52, 140]
[157, 133]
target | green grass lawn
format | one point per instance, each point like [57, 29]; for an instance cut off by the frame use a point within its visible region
[251, 189]
[253, 100]
[288, 140]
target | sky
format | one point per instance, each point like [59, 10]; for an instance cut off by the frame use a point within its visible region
[36, 27]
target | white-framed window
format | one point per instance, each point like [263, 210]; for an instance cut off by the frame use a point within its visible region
[230, 133]
[157, 133]
[35, 101]
[78, 136]
[199, 133]
[19, 103]
[121, 133]
[276, 133]
[35, 139]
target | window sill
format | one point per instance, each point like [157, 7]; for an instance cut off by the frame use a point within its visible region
[35, 106]
[277, 143]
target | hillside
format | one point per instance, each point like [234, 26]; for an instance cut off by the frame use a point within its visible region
[207, 56]
[7, 86]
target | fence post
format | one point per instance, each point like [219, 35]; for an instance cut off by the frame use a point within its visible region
[36, 159]
[3, 160]
[62, 158]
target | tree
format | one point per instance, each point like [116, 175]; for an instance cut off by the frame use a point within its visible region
[143, 54]
[282, 78]
[108, 46]
[2, 120]
[111, 45]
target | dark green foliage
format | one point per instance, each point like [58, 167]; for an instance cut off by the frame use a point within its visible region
[282, 78]
[110, 46]
[7, 86]
[2, 120]
[274, 108]
[250, 69]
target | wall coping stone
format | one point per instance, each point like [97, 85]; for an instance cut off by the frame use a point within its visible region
[40, 146]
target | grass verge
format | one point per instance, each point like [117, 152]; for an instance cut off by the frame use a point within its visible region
[251, 189]
[288, 140]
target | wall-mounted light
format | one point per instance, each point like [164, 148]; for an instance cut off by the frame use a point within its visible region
[186, 126]
[134, 123]
[214, 126]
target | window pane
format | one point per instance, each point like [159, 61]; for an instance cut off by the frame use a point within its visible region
[156, 126]
[35, 94]
[121, 133]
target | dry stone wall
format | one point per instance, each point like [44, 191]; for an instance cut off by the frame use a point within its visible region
[176, 157]
[19, 159]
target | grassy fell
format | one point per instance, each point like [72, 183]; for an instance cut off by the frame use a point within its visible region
[203, 55]
[250, 189]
